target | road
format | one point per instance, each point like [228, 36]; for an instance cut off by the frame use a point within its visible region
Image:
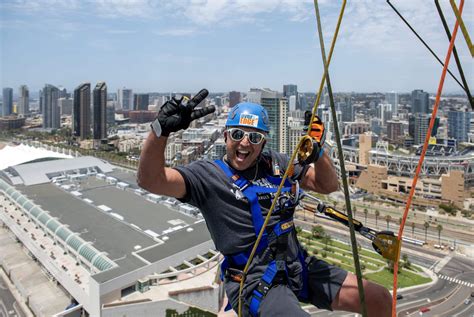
[447, 296]
[444, 298]
[8, 305]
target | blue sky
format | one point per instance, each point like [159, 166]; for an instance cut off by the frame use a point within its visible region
[185, 45]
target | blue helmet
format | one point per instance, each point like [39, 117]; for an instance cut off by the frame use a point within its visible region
[248, 114]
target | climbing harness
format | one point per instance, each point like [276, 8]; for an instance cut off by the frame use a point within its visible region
[274, 242]
[289, 168]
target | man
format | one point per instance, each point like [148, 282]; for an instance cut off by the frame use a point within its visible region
[234, 195]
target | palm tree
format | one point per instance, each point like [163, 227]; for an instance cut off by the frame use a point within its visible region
[377, 214]
[426, 225]
[387, 219]
[439, 228]
[318, 232]
[412, 229]
[355, 211]
[365, 213]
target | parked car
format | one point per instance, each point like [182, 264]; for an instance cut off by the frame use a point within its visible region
[424, 310]
[399, 296]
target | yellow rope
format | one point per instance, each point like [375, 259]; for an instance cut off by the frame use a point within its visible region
[288, 168]
[462, 26]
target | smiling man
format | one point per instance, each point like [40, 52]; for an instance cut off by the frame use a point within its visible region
[234, 195]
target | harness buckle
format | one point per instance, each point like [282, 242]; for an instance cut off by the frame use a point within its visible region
[263, 287]
[280, 265]
[234, 274]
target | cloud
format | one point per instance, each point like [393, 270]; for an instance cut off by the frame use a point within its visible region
[125, 8]
[34, 6]
[185, 31]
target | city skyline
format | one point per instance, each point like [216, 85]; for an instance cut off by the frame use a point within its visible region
[224, 46]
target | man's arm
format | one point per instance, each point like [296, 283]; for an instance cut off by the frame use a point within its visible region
[153, 175]
[321, 176]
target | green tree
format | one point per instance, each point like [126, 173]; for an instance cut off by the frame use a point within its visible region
[426, 225]
[406, 262]
[377, 214]
[318, 232]
[439, 228]
[387, 219]
[354, 209]
[298, 229]
[412, 229]
[327, 242]
[365, 214]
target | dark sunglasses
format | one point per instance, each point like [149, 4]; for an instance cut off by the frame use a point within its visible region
[237, 135]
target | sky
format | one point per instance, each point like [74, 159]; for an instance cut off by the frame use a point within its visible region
[223, 45]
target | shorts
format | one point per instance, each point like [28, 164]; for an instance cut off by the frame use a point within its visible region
[324, 283]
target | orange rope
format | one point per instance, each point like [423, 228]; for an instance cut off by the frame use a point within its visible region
[420, 162]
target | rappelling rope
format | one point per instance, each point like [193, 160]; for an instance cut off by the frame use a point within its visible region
[420, 162]
[355, 252]
[457, 13]
[424, 43]
[290, 163]
[455, 53]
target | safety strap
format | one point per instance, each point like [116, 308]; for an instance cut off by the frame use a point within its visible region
[251, 192]
[279, 234]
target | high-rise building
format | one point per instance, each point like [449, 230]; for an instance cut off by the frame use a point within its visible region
[40, 94]
[141, 101]
[295, 130]
[234, 98]
[63, 92]
[394, 130]
[420, 102]
[277, 113]
[7, 101]
[376, 126]
[420, 123]
[458, 125]
[51, 114]
[292, 90]
[65, 106]
[82, 111]
[292, 103]
[385, 113]
[99, 112]
[346, 109]
[125, 99]
[392, 99]
[24, 102]
[110, 114]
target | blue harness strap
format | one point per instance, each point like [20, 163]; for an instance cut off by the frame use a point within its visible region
[251, 192]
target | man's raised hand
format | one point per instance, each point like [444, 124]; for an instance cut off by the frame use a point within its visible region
[176, 115]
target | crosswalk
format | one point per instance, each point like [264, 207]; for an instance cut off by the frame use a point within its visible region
[454, 280]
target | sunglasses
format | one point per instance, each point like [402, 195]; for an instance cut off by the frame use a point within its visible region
[237, 135]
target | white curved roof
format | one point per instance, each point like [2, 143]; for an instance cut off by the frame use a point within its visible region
[14, 155]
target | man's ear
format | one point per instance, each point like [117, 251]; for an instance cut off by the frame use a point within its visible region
[225, 136]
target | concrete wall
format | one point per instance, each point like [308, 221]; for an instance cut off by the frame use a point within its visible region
[452, 187]
[147, 309]
[207, 299]
[160, 266]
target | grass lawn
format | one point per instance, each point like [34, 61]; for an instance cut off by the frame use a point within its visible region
[340, 255]
[405, 278]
